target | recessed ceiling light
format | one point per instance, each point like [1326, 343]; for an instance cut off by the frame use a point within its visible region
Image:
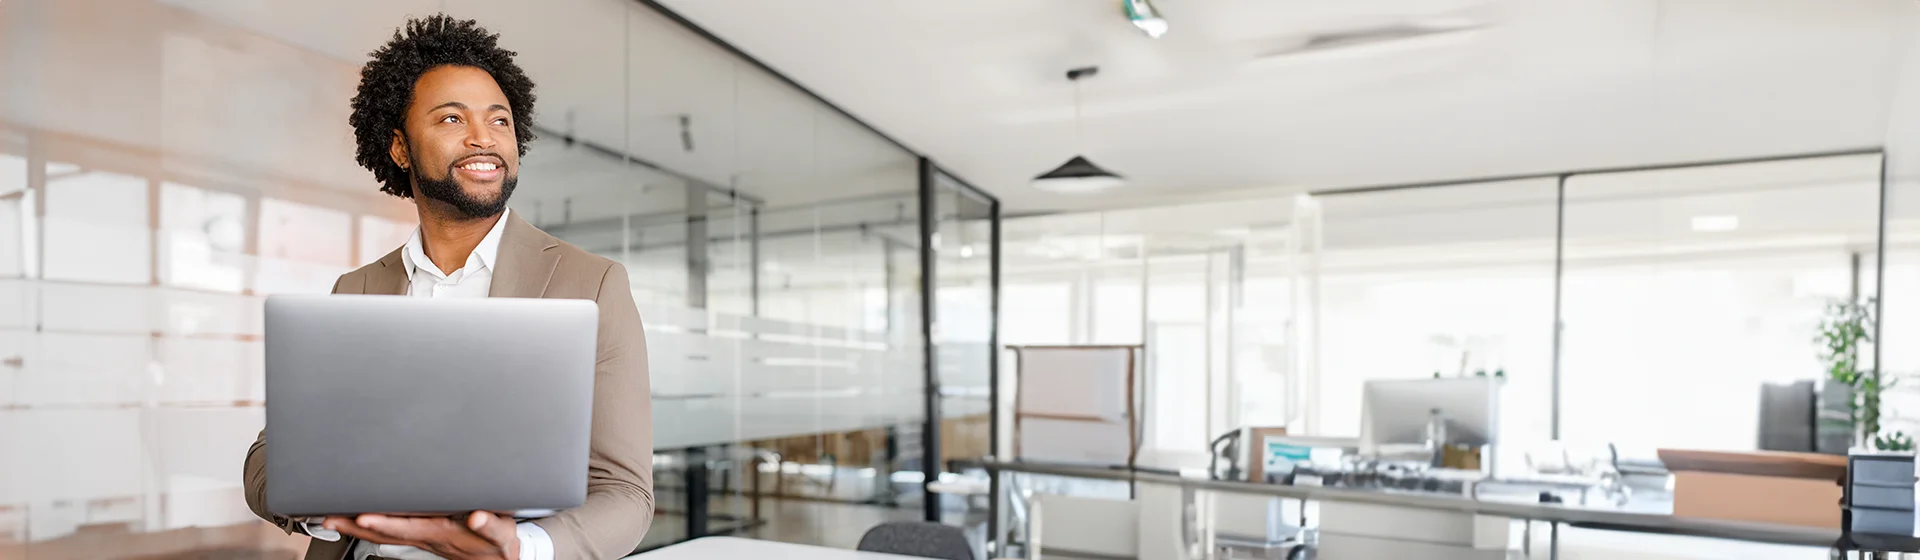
[1715, 223]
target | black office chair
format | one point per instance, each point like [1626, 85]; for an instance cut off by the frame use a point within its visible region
[918, 538]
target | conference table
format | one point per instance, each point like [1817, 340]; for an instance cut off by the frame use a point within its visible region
[735, 548]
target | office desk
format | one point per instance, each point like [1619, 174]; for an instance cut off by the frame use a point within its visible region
[735, 548]
[1556, 514]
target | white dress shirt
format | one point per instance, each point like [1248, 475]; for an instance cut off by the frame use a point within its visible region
[474, 279]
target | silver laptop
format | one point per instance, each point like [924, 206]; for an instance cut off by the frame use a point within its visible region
[383, 404]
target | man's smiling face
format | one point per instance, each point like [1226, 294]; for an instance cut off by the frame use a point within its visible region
[459, 142]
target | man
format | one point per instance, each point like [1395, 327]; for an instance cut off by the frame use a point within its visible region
[442, 116]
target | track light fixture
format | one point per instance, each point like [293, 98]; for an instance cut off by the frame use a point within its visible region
[1143, 16]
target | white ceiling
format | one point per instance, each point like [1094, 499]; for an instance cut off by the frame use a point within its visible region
[1552, 85]
[1549, 85]
[1198, 115]
[1824, 206]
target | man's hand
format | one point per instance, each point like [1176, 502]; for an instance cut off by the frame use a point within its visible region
[484, 535]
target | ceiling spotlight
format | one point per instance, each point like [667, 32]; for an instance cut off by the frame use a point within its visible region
[1143, 16]
[1077, 175]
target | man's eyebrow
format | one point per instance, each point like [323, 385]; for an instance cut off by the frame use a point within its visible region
[463, 107]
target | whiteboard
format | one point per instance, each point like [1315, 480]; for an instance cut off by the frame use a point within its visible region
[1089, 383]
[1076, 441]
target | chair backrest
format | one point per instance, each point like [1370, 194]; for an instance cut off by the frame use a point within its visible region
[918, 538]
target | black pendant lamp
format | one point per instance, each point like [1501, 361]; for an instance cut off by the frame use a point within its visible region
[1078, 174]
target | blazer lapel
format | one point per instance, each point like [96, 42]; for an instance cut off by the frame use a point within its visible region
[391, 278]
[527, 260]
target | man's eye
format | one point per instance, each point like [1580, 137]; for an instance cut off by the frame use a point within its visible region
[501, 122]
[450, 118]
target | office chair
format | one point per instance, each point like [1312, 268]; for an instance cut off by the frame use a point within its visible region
[918, 538]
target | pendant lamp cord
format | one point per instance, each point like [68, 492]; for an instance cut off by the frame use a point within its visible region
[1074, 75]
[1079, 136]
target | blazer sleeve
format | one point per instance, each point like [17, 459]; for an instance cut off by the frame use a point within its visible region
[256, 471]
[619, 506]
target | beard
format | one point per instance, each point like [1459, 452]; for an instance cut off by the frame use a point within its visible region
[446, 190]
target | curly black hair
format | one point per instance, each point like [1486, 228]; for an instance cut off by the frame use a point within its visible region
[386, 87]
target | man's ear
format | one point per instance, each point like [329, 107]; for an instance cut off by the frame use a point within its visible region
[398, 150]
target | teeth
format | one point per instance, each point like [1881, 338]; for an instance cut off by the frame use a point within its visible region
[479, 166]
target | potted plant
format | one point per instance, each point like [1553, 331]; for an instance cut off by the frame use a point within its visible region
[1844, 332]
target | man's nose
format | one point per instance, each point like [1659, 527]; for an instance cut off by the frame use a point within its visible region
[478, 136]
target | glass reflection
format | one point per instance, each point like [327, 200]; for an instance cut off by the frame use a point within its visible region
[963, 319]
[1440, 282]
[203, 242]
[783, 330]
[1706, 281]
[84, 206]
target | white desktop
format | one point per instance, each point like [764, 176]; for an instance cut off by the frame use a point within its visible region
[1395, 420]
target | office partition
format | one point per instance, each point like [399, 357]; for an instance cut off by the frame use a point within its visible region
[1683, 290]
[1439, 282]
[1206, 294]
[959, 252]
[1638, 306]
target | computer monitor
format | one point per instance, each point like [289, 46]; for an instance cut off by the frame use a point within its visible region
[1806, 416]
[1395, 411]
[1787, 412]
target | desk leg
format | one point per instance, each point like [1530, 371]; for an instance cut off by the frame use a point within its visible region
[993, 514]
[1553, 540]
[1526, 539]
[697, 497]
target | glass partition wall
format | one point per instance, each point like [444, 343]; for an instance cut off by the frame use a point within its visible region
[1706, 281]
[962, 237]
[1434, 282]
[1204, 287]
[1668, 284]
[773, 243]
[1641, 308]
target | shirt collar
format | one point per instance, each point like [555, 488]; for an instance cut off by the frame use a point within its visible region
[485, 256]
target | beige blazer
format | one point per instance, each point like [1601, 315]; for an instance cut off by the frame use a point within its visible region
[533, 264]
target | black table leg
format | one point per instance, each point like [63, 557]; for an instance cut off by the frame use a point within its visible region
[697, 493]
